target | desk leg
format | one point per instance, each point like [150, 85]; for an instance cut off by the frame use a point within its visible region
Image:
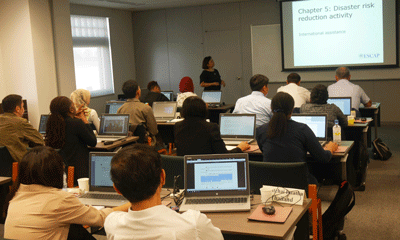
[376, 123]
[343, 162]
[365, 136]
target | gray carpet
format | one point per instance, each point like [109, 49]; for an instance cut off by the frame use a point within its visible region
[376, 214]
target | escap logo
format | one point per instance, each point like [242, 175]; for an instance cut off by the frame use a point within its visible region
[370, 55]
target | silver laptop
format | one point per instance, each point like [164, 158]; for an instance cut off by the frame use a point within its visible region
[212, 97]
[164, 111]
[169, 95]
[344, 103]
[42, 123]
[317, 122]
[112, 106]
[217, 183]
[101, 191]
[236, 128]
[113, 127]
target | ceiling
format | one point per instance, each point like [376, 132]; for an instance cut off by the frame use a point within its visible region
[141, 5]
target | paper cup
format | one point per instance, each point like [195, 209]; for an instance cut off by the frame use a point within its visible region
[350, 120]
[266, 196]
[84, 184]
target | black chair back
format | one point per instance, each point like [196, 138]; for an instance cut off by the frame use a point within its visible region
[173, 166]
[291, 175]
[6, 162]
[140, 131]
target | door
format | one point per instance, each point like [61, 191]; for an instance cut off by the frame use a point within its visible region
[224, 48]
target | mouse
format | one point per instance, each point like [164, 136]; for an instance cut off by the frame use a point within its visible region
[270, 210]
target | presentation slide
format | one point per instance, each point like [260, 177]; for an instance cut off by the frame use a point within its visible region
[216, 176]
[339, 32]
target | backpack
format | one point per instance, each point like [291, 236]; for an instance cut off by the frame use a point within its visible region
[333, 218]
[381, 150]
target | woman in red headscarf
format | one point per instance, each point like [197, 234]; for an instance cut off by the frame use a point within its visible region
[186, 88]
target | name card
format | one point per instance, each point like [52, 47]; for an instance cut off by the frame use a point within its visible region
[285, 195]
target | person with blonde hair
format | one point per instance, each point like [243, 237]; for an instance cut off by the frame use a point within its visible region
[81, 99]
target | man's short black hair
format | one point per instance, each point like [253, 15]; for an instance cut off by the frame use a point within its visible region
[130, 88]
[194, 107]
[319, 94]
[136, 172]
[257, 82]
[10, 102]
[293, 78]
[151, 85]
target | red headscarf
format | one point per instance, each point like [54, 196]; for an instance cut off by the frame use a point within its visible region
[186, 85]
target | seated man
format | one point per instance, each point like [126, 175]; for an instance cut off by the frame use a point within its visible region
[154, 94]
[299, 94]
[138, 175]
[256, 102]
[16, 132]
[138, 111]
[344, 88]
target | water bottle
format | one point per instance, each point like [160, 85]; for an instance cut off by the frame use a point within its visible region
[337, 132]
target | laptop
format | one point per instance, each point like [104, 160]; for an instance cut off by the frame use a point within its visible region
[236, 128]
[113, 127]
[217, 183]
[164, 111]
[213, 98]
[112, 106]
[344, 103]
[101, 191]
[169, 95]
[42, 123]
[317, 122]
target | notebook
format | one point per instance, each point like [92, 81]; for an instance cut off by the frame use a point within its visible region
[113, 127]
[217, 183]
[236, 128]
[112, 106]
[169, 95]
[42, 123]
[164, 111]
[317, 122]
[101, 191]
[344, 103]
[212, 97]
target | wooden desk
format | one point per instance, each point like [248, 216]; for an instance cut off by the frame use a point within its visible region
[357, 130]
[4, 180]
[213, 113]
[101, 147]
[374, 112]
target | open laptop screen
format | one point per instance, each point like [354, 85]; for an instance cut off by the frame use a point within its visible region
[344, 103]
[43, 122]
[164, 109]
[237, 125]
[114, 124]
[112, 106]
[169, 95]
[100, 165]
[211, 96]
[220, 174]
[317, 123]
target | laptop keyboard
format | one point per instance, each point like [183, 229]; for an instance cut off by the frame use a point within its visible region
[216, 200]
[103, 196]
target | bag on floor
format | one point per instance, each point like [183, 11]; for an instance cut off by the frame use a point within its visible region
[381, 150]
[333, 218]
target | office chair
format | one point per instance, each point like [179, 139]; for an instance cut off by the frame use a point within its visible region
[173, 166]
[6, 162]
[291, 175]
[140, 131]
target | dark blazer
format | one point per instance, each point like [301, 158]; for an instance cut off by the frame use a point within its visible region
[75, 152]
[197, 136]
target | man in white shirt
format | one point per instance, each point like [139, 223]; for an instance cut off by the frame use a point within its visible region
[344, 88]
[299, 94]
[256, 102]
[138, 175]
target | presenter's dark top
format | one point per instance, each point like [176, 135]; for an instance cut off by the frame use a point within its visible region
[292, 146]
[75, 152]
[210, 77]
[197, 136]
[154, 97]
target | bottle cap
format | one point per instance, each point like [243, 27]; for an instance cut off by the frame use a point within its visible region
[336, 121]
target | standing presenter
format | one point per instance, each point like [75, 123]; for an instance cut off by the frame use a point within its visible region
[210, 78]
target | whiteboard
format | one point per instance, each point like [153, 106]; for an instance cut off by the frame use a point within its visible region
[267, 60]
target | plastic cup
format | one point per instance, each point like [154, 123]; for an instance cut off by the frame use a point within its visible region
[350, 120]
[84, 184]
[266, 196]
[353, 113]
